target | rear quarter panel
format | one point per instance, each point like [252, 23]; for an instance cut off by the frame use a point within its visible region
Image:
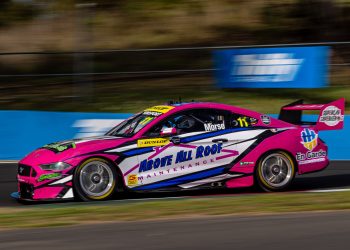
[290, 141]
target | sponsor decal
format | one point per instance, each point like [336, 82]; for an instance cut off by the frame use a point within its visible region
[274, 67]
[331, 116]
[311, 157]
[181, 157]
[265, 119]
[152, 113]
[186, 166]
[214, 127]
[309, 138]
[312, 161]
[160, 109]
[155, 142]
[146, 120]
[132, 180]
[253, 121]
[45, 177]
[243, 121]
[59, 147]
[246, 163]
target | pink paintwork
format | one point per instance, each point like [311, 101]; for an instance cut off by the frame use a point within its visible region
[288, 141]
[71, 156]
[46, 193]
[246, 181]
[288, 138]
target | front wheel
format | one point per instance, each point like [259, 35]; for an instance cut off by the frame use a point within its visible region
[95, 179]
[275, 171]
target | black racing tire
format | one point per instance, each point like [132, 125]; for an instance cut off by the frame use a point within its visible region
[95, 179]
[275, 171]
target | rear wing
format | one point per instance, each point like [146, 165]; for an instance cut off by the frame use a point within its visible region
[331, 115]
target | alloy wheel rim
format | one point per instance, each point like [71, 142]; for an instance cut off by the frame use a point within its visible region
[276, 170]
[96, 178]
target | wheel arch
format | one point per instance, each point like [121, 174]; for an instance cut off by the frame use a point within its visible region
[261, 184]
[120, 181]
[270, 151]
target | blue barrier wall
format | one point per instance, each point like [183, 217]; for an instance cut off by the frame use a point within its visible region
[286, 67]
[23, 131]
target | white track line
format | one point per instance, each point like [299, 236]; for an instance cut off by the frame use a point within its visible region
[328, 190]
[9, 161]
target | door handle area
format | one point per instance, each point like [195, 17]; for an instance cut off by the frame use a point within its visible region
[220, 140]
[175, 139]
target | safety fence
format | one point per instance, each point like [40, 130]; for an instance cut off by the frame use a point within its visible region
[28, 78]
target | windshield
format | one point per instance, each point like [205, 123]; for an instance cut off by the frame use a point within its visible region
[132, 125]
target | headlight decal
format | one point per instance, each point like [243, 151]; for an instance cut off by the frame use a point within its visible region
[57, 166]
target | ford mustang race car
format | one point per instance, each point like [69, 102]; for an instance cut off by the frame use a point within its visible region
[182, 146]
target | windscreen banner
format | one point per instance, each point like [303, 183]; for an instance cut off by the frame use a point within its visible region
[283, 67]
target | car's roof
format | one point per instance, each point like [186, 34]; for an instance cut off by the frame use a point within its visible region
[234, 109]
[170, 109]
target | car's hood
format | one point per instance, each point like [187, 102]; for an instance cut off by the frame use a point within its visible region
[63, 150]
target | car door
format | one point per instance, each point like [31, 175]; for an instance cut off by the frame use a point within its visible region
[196, 150]
[243, 133]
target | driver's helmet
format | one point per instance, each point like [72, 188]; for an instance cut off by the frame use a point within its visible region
[184, 122]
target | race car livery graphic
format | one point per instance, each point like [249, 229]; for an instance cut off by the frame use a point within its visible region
[309, 138]
[183, 146]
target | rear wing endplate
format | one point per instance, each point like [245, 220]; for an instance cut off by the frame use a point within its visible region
[331, 115]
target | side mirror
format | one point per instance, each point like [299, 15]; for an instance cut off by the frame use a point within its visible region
[168, 132]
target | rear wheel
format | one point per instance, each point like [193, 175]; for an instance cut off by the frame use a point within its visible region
[95, 179]
[275, 171]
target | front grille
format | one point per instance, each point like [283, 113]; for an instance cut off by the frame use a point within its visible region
[26, 191]
[24, 170]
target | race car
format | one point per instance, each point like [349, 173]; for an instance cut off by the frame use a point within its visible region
[183, 146]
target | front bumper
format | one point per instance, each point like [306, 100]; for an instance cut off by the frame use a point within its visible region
[25, 191]
[17, 196]
[52, 190]
[35, 184]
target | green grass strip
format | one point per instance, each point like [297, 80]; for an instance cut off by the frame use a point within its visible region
[82, 213]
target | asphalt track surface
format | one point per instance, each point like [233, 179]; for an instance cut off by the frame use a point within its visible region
[327, 230]
[335, 177]
[288, 232]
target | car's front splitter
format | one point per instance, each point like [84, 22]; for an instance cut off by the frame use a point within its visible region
[17, 196]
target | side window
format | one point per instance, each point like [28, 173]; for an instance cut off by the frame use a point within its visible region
[242, 121]
[197, 120]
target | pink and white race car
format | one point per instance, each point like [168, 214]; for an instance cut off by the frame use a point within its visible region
[182, 146]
